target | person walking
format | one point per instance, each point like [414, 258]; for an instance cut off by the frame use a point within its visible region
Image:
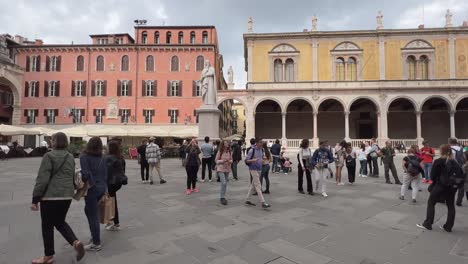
[153, 155]
[465, 171]
[182, 152]
[94, 173]
[458, 156]
[412, 167]
[192, 164]
[207, 151]
[441, 189]
[144, 166]
[303, 166]
[275, 151]
[321, 159]
[254, 160]
[215, 152]
[374, 156]
[428, 154]
[362, 157]
[223, 168]
[236, 157]
[115, 179]
[53, 191]
[266, 160]
[388, 153]
[340, 152]
[350, 161]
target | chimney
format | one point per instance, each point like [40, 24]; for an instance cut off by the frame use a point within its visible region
[421, 26]
[38, 42]
[19, 39]
[465, 23]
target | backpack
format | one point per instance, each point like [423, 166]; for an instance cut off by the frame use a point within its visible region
[452, 176]
[251, 157]
[459, 158]
[413, 167]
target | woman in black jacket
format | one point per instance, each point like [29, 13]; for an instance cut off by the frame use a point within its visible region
[440, 192]
[115, 179]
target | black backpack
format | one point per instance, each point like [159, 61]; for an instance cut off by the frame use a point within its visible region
[459, 158]
[413, 167]
[452, 175]
[251, 156]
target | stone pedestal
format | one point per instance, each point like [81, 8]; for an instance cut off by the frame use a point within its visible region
[208, 122]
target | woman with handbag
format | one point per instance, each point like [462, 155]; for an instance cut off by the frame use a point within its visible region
[54, 191]
[340, 152]
[94, 173]
[192, 164]
[115, 179]
[223, 167]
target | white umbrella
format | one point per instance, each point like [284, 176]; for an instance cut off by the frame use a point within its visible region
[45, 131]
[7, 130]
[148, 131]
[107, 131]
[183, 131]
[77, 131]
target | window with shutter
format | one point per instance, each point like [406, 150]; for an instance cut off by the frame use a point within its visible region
[28, 64]
[100, 63]
[47, 63]
[205, 37]
[124, 88]
[51, 115]
[149, 63]
[149, 88]
[192, 37]
[156, 37]
[119, 88]
[175, 64]
[46, 88]
[125, 64]
[168, 37]
[99, 88]
[130, 88]
[80, 63]
[173, 114]
[59, 63]
[124, 117]
[181, 37]
[26, 89]
[148, 114]
[200, 63]
[98, 113]
[73, 88]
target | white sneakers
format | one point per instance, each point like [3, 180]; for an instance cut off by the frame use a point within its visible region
[112, 227]
[324, 194]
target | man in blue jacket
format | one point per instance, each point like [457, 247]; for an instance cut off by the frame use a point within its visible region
[320, 160]
[254, 161]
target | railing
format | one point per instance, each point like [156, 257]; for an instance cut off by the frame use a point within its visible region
[269, 141]
[463, 142]
[356, 143]
[405, 142]
[295, 143]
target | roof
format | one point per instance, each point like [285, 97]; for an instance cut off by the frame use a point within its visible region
[175, 27]
[113, 35]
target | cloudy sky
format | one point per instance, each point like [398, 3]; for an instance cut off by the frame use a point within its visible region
[64, 21]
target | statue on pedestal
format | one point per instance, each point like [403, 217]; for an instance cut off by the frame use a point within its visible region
[208, 84]
[448, 19]
[250, 25]
[314, 23]
[379, 20]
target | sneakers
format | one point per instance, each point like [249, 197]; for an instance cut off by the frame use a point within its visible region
[364, 176]
[151, 182]
[93, 247]
[210, 180]
[188, 192]
[202, 181]
[113, 227]
[414, 200]
[340, 184]
[79, 248]
[430, 181]
[162, 181]
[311, 193]
[402, 198]
[266, 192]
[324, 194]
[301, 192]
[422, 226]
[265, 205]
[223, 201]
[195, 190]
[444, 229]
[249, 203]
[388, 182]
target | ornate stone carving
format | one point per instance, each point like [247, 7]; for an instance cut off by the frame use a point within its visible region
[112, 67]
[314, 23]
[112, 108]
[379, 19]
[448, 18]
[284, 48]
[418, 44]
[346, 45]
[208, 84]
[453, 94]
[383, 96]
[250, 25]
[315, 95]
[187, 66]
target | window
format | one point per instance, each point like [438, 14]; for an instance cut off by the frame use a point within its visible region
[33, 63]
[149, 63]
[200, 63]
[196, 116]
[77, 115]
[99, 114]
[174, 89]
[53, 89]
[192, 37]
[7, 99]
[78, 89]
[339, 69]
[411, 62]
[149, 90]
[148, 114]
[123, 88]
[100, 63]
[156, 37]
[119, 41]
[181, 37]
[31, 115]
[205, 37]
[175, 63]
[53, 63]
[351, 71]
[124, 115]
[32, 89]
[80, 63]
[173, 114]
[168, 37]
[278, 65]
[144, 37]
[289, 70]
[103, 41]
[424, 67]
[125, 63]
[99, 88]
[50, 115]
[196, 88]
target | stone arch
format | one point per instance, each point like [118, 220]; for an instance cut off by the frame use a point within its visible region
[401, 118]
[343, 104]
[446, 100]
[299, 119]
[418, 44]
[12, 77]
[299, 98]
[435, 119]
[263, 99]
[411, 100]
[268, 121]
[284, 47]
[330, 122]
[346, 46]
[461, 115]
[376, 104]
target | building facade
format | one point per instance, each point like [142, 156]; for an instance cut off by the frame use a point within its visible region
[405, 85]
[150, 79]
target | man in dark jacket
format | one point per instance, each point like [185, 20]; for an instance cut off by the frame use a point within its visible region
[236, 157]
[275, 151]
[144, 166]
[387, 158]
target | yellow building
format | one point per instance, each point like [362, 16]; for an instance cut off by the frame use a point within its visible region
[405, 85]
[239, 117]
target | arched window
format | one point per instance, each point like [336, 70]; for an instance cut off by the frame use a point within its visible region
[351, 70]
[168, 37]
[100, 63]
[200, 63]
[192, 37]
[278, 65]
[80, 63]
[156, 37]
[181, 37]
[205, 37]
[339, 69]
[411, 63]
[149, 63]
[125, 63]
[175, 64]
[144, 37]
[289, 70]
[424, 67]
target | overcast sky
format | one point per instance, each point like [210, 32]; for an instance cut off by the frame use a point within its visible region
[64, 21]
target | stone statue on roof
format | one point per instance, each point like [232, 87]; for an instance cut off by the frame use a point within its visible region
[250, 25]
[314, 23]
[448, 19]
[379, 20]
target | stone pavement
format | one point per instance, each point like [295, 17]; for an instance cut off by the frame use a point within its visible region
[364, 223]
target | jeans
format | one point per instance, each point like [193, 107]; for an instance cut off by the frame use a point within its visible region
[300, 179]
[363, 168]
[351, 173]
[437, 193]
[369, 163]
[275, 163]
[53, 214]
[414, 181]
[224, 178]
[320, 176]
[427, 170]
[206, 162]
[255, 186]
[375, 165]
[461, 193]
[265, 175]
[155, 166]
[191, 177]
[234, 169]
[92, 212]
[390, 166]
[144, 170]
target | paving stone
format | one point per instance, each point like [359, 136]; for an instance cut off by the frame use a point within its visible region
[295, 253]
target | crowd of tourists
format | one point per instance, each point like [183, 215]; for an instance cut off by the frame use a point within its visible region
[99, 176]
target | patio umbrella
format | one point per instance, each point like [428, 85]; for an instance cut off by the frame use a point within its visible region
[7, 130]
[107, 131]
[77, 131]
[148, 131]
[183, 131]
[44, 131]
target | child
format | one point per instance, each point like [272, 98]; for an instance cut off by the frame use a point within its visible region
[287, 166]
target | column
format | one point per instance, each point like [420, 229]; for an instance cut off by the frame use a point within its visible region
[452, 123]
[383, 124]
[249, 124]
[379, 128]
[346, 120]
[418, 127]
[283, 129]
[315, 143]
[284, 71]
[451, 48]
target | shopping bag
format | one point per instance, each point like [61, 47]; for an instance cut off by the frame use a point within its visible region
[106, 209]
